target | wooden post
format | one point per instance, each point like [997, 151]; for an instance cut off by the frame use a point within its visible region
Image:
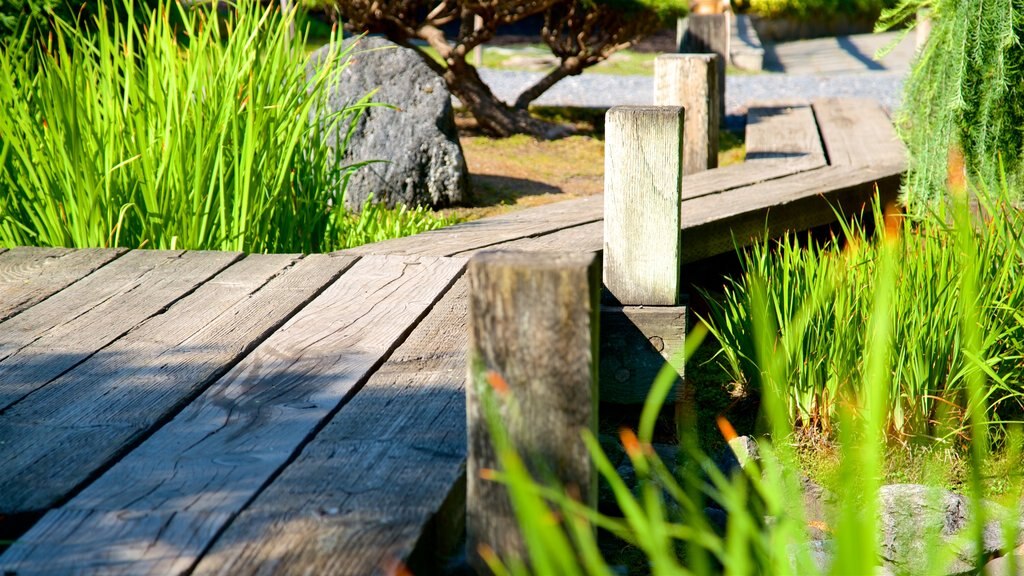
[533, 350]
[643, 183]
[691, 81]
[923, 29]
[709, 34]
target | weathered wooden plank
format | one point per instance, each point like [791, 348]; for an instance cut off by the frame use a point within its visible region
[491, 231]
[159, 507]
[691, 81]
[43, 342]
[70, 430]
[372, 479]
[533, 327]
[636, 341]
[642, 183]
[715, 224]
[30, 275]
[858, 132]
[783, 133]
[585, 238]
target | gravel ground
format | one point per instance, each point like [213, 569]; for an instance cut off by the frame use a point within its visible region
[603, 91]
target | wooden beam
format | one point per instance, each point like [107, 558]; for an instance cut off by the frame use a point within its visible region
[858, 132]
[636, 342]
[691, 81]
[643, 175]
[532, 356]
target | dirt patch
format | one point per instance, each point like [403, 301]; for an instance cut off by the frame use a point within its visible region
[509, 174]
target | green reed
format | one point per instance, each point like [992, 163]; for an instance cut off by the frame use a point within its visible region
[180, 128]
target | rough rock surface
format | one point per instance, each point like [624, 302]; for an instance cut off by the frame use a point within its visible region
[423, 161]
[912, 514]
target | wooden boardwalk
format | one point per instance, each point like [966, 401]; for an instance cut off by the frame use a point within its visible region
[215, 413]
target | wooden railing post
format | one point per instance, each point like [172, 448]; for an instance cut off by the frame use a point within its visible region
[533, 353]
[691, 81]
[709, 34]
[642, 187]
[642, 248]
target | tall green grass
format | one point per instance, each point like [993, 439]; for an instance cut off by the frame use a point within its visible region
[932, 361]
[181, 128]
[766, 530]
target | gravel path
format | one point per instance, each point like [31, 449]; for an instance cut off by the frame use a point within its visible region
[603, 91]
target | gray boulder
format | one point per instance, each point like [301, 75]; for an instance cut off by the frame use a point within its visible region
[913, 514]
[423, 164]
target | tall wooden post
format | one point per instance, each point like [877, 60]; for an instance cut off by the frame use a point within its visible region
[709, 34]
[691, 81]
[533, 351]
[642, 187]
[642, 256]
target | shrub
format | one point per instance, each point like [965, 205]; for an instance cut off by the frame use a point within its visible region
[192, 133]
[805, 9]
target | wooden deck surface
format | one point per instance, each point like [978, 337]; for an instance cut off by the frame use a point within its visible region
[218, 413]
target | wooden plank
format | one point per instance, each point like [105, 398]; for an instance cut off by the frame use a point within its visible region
[858, 132]
[691, 81]
[29, 275]
[163, 504]
[533, 325]
[67, 432]
[783, 133]
[43, 342]
[716, 224]
[636, 341]
[370, 482]
[492, 231]
[642, 182]
[586, 238]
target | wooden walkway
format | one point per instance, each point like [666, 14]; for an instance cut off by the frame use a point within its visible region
[215, 413]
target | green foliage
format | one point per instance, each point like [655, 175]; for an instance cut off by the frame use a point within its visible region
[804, 9]
[935, 362]
[766, 532]
[196, 134]
[966, 91]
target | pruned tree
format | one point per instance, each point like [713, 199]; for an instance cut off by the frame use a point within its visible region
[580, 33]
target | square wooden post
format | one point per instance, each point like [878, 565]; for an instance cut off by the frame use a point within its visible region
[691, 81]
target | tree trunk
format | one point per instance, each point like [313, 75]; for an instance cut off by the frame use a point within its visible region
[566, 68]
[494, 116]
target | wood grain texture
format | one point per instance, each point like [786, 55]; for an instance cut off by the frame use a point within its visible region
[488, 232]
[533, 325]
[642, 183]
[372, 479]
[585, 238]
[691, 81]
[716, 224]
[785, 134]
[162, 505]
[67, 432]
[46, 340]
[858, 132]
[636, 342]
[709, 34]
[29, 275]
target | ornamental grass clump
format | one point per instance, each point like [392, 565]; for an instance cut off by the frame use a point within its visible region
[931, 363]
[182, 128]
